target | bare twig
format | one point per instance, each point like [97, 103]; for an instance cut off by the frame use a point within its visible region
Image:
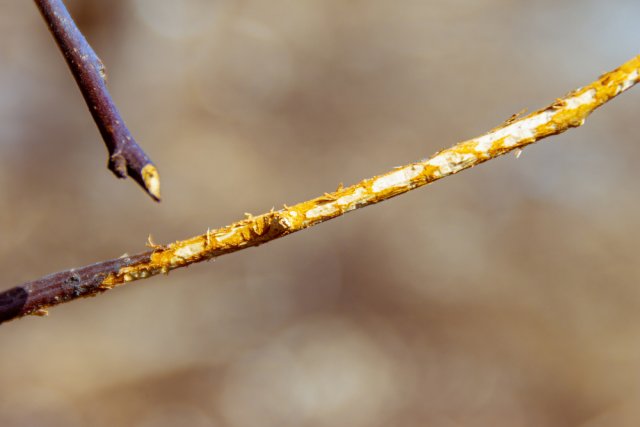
[570, 111]
[125, 155]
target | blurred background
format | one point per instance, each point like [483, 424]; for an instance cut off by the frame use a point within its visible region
[503, 296]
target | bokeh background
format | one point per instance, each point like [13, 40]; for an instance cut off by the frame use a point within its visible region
[507, 295]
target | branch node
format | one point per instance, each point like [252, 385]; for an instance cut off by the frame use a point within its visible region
[118, 165]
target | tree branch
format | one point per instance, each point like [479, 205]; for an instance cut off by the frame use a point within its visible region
[125, 155]
[571, 111]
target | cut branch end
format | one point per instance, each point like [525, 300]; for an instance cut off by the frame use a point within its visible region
[151, 181]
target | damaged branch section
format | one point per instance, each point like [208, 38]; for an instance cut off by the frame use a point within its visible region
[570, 111]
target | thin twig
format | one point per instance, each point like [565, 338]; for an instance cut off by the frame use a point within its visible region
[125, 155]
[570, 111]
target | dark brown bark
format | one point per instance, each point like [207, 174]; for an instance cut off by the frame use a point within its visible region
[125, 155]
[33, 297]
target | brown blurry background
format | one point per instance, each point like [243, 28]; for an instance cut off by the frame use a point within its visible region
[504, 296]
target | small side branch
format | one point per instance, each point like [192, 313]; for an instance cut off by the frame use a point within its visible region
[125, 155]
[565, 113]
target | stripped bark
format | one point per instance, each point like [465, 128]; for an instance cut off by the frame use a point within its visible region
[125, 155]
[515, 134]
